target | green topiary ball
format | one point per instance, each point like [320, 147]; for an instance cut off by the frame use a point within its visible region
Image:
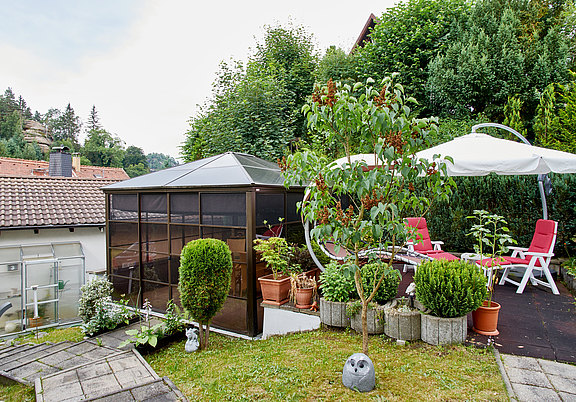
[450, 288]
[388, 288]
[205, 274]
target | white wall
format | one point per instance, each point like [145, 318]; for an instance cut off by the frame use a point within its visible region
[93, 242]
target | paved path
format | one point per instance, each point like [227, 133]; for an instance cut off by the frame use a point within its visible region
[531, 379]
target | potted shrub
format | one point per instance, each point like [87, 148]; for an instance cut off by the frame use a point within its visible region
[275, 252]
[302, 290]
[337, 289]
[568, 271]
[387, 290]
[492, 236]
[449, 290]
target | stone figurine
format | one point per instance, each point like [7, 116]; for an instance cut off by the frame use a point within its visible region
[192, 343]
[359, 374]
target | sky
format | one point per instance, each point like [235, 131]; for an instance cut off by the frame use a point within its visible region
[148, 64]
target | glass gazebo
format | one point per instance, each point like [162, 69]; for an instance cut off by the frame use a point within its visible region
[233, 197]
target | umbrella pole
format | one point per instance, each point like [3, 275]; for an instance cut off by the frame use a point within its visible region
[541, 177]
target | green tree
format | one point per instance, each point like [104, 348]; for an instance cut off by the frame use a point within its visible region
[158, 161]
[379, 198]
[135, 162]
[103, 149]
[407, 38]
[93, 120]
[336, 65]
[205, 272]
[64, 125]
[556, 120]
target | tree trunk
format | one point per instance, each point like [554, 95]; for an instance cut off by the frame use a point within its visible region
[364, 327]
[200, 336]
[207, 334]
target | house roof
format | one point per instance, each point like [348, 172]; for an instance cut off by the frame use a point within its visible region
[33, 202]
[27, 168]
[231, 169]
[364, 35]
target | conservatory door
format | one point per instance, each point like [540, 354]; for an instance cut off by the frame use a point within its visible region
[40, 293]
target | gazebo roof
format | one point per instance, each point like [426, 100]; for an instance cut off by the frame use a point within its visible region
[231, 169]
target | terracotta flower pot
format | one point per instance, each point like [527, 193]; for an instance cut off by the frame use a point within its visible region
[304, 298]
[485, 318]
[274, 291]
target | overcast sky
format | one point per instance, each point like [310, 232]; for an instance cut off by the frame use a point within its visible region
[146, 65]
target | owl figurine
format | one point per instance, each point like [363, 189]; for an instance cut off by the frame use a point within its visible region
[359, 374]
[192, 342]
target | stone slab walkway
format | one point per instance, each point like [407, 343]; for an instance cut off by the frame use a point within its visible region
[532, 379]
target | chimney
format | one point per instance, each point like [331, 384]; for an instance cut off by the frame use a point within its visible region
[60, 162]
[76, 162]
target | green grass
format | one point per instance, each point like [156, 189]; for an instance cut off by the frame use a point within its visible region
[309, 366]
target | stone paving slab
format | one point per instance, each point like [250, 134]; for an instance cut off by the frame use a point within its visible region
[46, 362]
[20, 357]
[116, 373]
[540, 380]
[114, 338]
[158, 390]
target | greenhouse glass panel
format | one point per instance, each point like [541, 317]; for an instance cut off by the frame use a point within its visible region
[269, 209]
[184, 208]
[157, 270]
[125, 262]
[157, 294]
[223, 209]
[291, 210]
[153, 208]
[123, 235]
[180, 235]
[67, 250]
[124, 207]
[154, 238]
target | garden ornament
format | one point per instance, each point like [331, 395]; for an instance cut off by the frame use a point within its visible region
[359, 374]
[192, 342]
[411, 292]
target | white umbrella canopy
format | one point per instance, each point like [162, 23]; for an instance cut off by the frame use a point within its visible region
[479, 154]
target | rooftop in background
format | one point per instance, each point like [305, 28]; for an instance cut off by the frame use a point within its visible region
[364, 35]
[38, 202]
[12, 167]
[230, 169]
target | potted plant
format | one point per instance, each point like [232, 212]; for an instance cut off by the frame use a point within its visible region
[275, 252]
[371, 274]
[336, 289]
[491, 235]
[568, 273]
[402, 320]
[449, 290]
[302, 290]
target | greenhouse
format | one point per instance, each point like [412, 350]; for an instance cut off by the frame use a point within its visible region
[233, 197]
[40, 285]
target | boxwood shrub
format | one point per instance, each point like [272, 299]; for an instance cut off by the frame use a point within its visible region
[335, 286]
[388, 288]
[450, 288]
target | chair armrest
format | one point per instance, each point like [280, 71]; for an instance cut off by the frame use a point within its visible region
[536, 254]
[437, 244]
[518, 250]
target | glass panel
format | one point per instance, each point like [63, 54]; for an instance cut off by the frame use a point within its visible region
[174, 267]
[261, 270]
[123, 235]
[226, 209]
[176, 297]
[124, 207]
[44, 278]
[70, 278]
[269, 209]
[232, 316]
[223, 233]
[265, 176]
[153, 207]
[125, 262]
[157, 270]
[154, 238]
[125, 289]
[184, 208]
[38, 252]
[238, 285]
[181, 235]
[291, 211]
[10, 292]
[68, 250]
[157, 294]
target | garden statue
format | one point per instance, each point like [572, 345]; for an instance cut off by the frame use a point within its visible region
[411, 292]
[359, 373]
[192, 342]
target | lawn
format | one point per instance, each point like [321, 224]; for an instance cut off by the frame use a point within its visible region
[308, 366]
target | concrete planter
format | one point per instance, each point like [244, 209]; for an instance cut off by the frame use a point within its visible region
[568, 279]
[333, 313]
[443, 331]
[400, 324]
[375, 320]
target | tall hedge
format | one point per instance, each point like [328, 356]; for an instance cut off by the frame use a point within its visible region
[450, 288]
[517, 198]
[205, 274]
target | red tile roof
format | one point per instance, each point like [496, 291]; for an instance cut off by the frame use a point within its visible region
[27, 168]
[28, 202]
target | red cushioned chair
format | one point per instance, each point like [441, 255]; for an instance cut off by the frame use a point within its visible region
[534, 258]
[423, 244]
